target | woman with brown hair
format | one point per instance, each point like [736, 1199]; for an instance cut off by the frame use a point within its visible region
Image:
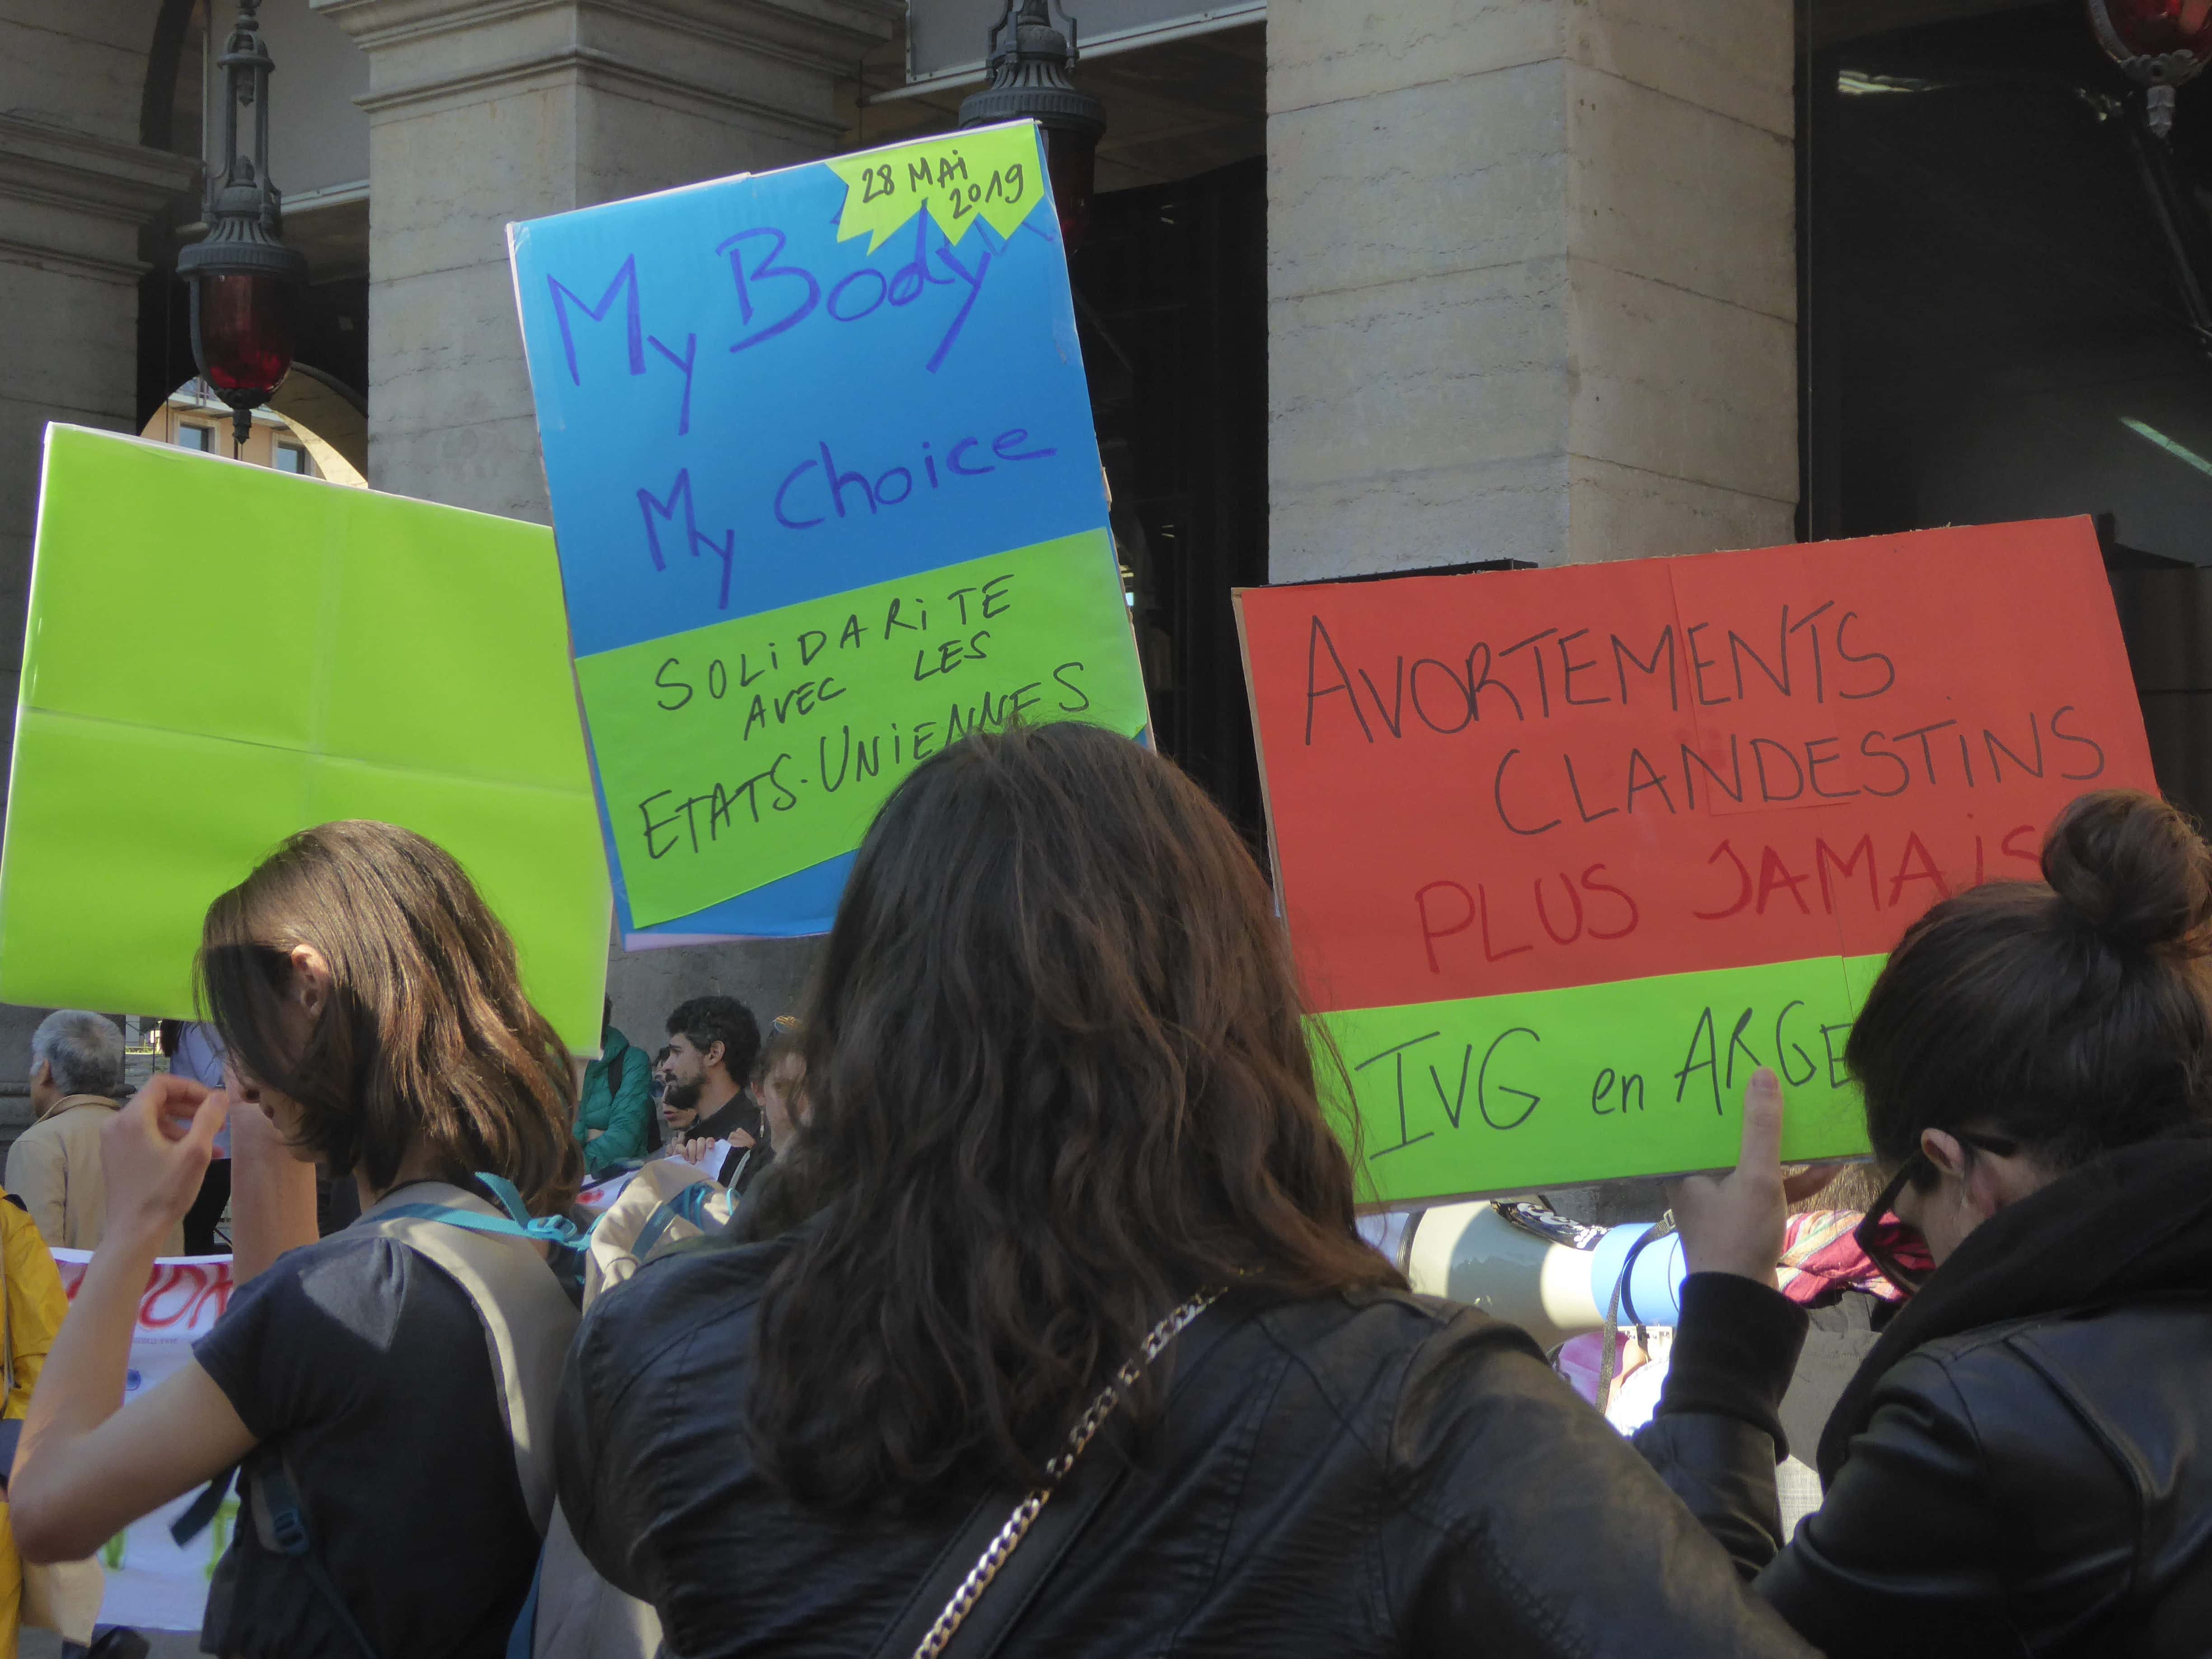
[2020, 1465]
[1067, 1212]
[373, 1019]
[780, 1080]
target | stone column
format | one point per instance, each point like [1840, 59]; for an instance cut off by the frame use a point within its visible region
[481, 111]
[1532, 282]
[75, 186]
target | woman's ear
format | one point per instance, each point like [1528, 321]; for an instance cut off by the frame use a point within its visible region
[1945, 1152]
[310, 979]
[1984, 1184]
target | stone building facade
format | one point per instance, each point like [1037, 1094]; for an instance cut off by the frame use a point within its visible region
[1528, 292]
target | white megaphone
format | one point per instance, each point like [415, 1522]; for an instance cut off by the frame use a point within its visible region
[1553, 1290]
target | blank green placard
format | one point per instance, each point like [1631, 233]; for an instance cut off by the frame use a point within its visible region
[739, 753]
[1638, 1076]
[218, 655]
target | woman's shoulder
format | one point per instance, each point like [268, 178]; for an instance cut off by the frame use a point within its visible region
[2131, 1372]
[1379, 1325]
[357, 1249]
[705, 1289]
[350, 1252]
[362, 1280]
[1409, 1365]
[2071, 1419]
[338, 1325]
[2081, 1430]
[1447, 1417]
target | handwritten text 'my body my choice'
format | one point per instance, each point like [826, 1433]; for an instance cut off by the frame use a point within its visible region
[776, 291]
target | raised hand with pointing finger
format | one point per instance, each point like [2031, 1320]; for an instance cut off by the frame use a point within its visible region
[1733, 1223]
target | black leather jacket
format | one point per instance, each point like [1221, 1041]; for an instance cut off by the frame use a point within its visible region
[1370, 1475]
[2025, 1465]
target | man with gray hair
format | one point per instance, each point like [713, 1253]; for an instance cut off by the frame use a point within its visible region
[76, 1075]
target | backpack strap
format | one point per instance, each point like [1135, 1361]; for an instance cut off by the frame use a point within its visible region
[527, 1317]
[689, 1204]
[663, 1193]
[435, 1202]
[527, 1320]
[201, 1512]
[572, 1613]
[280, 1520]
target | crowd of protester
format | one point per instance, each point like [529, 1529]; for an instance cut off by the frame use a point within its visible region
[1019, 1305]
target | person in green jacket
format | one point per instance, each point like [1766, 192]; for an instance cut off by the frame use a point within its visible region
[615, 1115]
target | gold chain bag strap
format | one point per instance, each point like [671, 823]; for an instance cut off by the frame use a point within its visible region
[1009, 1537]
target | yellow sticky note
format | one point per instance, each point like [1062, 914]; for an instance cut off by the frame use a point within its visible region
[993, 173]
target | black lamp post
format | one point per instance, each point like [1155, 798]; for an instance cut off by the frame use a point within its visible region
[243, 278]
[1029, 67]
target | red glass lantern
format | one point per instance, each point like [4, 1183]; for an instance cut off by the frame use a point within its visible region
[2161, 44]
[242, 331]
[1030, 61]
[243, 278]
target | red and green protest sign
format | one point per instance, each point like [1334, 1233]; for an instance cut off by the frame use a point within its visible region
[1566, 854]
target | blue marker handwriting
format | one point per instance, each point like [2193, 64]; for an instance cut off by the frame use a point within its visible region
[818, 483]
[776, 293]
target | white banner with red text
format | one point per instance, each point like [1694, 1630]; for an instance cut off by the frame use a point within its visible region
[153, 1581]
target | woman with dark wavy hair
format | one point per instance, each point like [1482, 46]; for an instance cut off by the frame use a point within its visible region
[380, 1385]
[1063, 1150]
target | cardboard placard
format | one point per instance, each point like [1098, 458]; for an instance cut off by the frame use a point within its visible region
[827, 495]
[1566, 854]
[218, 655]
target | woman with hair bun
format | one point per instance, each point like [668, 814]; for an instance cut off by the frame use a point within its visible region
[2023, 1464]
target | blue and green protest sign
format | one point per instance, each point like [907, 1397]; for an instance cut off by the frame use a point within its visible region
[827, 497]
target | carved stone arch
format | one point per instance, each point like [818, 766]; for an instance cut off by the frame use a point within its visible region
[170, 23]
[324, 408]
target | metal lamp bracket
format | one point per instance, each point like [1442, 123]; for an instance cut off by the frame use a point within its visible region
[1005, 34]
[2158, 73]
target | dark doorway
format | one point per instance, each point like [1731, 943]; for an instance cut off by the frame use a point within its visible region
[1171, 296]
[2004, 280]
